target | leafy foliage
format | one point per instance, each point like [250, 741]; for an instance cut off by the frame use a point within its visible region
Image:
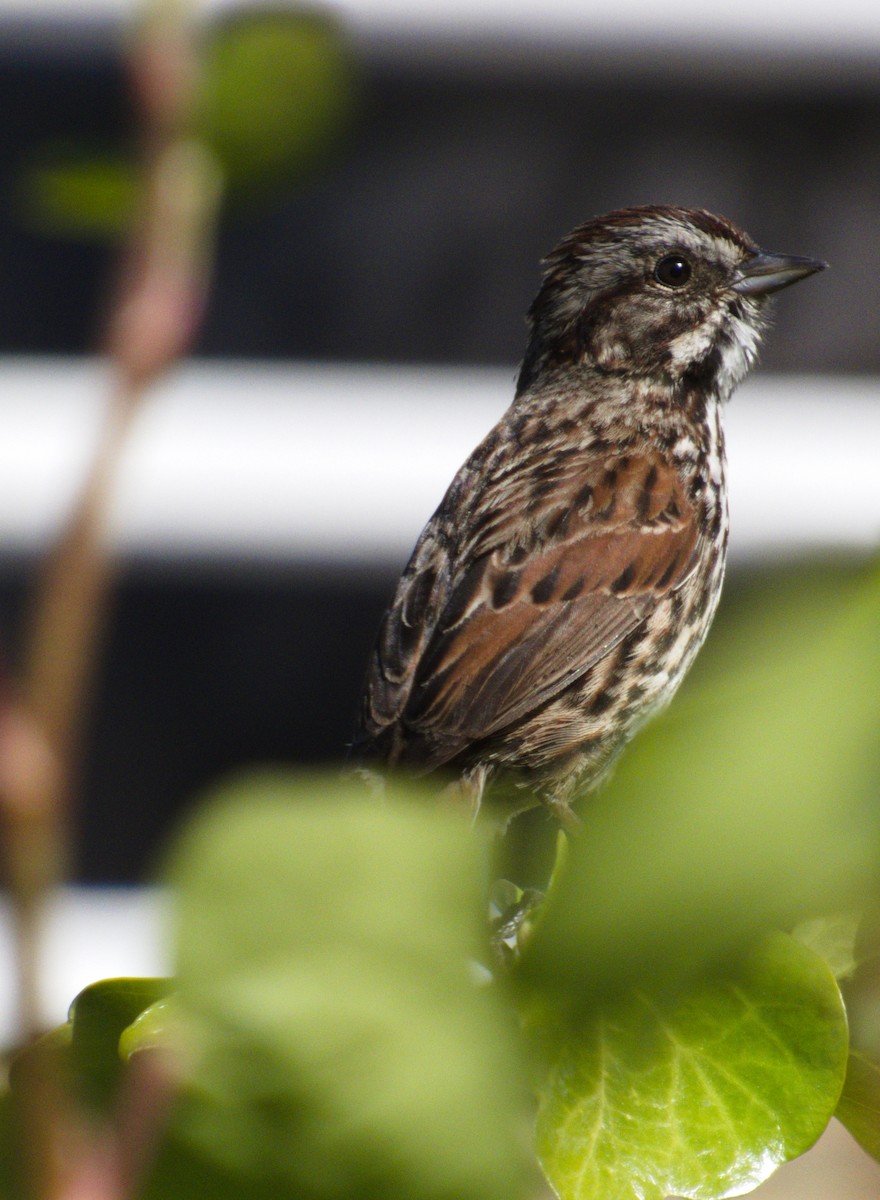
[276, 98]
[338, 1044]
[700, 1092]
[859, 1107]
[751, 804]
[834, 938]
[738, 812]
[97, 1019]
[342, 1027]
[78, 191]
[277, 95]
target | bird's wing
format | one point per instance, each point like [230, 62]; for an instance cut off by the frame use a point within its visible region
[539, 601]
[403, 636]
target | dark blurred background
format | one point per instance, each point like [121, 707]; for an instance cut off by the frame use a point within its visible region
[457, 166]
[415, 239]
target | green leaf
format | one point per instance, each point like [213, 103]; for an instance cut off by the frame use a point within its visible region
[834, 938]
[751, 805]
[156, 1026]
[338, 1042]
[97, 1018]
[276, 94]
[859, 1107]
[275, 100]
[35, 1071]
[11, 1183]
[861, 990]
[75, 192]
[86, 1049]
[49, 1053]
[701, 1092]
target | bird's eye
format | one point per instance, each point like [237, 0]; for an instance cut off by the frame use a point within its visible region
[673, 271]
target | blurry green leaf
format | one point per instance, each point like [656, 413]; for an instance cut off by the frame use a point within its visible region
[52, 1048]
[834, 938]
[7, 1145]
[179, 1172]
[154, 1027]
[751, 804]
[867, 949]
[339, 1044]
[97, 1018]
[84, 1051]
[698, 1093]
[859, 1107]
[276, 94]
[77, 194]
[38, 1069]
[861, 991]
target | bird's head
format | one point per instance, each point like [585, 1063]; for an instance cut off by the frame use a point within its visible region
[654, 291]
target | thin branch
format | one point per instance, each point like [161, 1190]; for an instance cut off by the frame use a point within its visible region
[153, 319]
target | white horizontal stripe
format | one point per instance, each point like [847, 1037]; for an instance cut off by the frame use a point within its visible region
[345, 464]
[784, 23]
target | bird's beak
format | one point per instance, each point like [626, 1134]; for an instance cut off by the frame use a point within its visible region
[764, 273]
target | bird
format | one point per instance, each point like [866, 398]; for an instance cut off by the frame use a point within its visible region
[560, 592]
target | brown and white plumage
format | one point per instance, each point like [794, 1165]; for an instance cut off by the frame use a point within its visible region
[568, 578]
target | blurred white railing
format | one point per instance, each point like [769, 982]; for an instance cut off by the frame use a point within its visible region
[785, 26]
[343, 465]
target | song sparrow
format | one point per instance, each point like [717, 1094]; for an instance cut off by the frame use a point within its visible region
[563, 587]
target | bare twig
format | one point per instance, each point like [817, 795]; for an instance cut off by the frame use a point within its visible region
[153, 319]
